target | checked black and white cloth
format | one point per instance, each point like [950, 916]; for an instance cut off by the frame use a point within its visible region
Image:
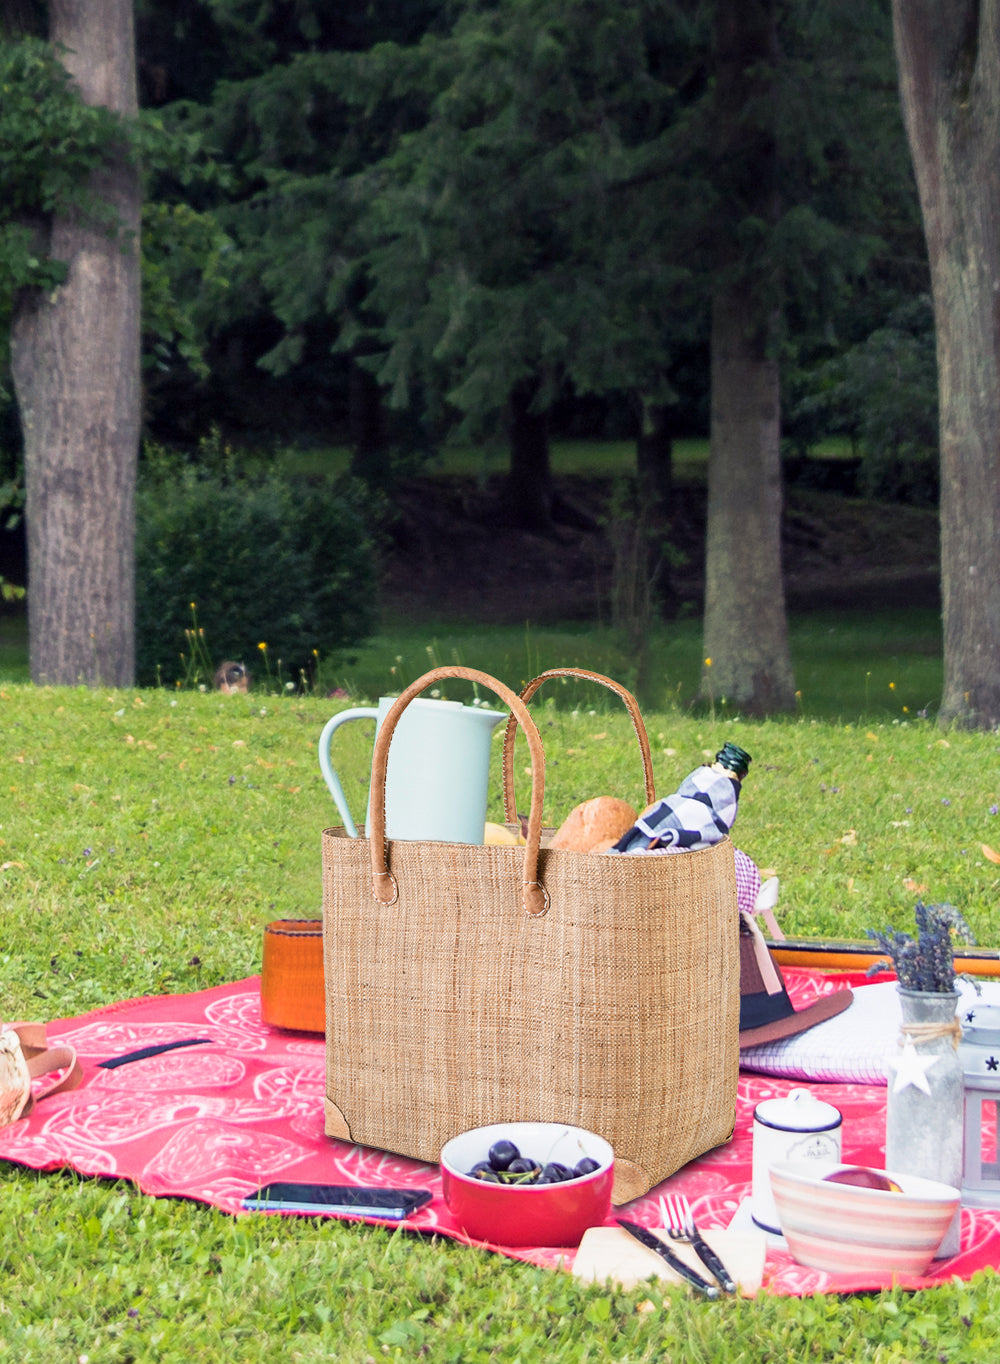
[700, 812]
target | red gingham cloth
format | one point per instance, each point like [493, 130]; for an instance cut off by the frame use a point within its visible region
[747, 881]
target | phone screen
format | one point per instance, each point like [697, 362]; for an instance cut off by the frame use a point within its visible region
[344, 1198]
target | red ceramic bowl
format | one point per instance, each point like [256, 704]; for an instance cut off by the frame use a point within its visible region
[528, 1215]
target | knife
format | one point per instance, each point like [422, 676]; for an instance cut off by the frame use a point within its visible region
[711, 1261]
[653, 1242]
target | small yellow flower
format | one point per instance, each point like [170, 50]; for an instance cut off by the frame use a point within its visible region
[708, 662]
[906, 710]
[191, 604]
[892, 686]
[262, 647]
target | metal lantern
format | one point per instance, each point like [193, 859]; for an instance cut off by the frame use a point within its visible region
[980, 1055]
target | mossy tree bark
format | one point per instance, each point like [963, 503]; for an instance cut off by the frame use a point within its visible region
[745, 624]
[75, 364]
[949, 77]
[745, 630]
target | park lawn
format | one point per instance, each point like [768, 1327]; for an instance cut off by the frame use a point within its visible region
[849, 666]
[589, 458]
[145, 839]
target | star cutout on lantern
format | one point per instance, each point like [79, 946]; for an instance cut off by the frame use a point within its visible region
[970, 1015]
[992, 1063]
[912, 1068]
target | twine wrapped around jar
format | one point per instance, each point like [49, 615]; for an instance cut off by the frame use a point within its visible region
[930, 1032]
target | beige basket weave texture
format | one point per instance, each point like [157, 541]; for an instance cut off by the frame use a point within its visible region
[468, 985]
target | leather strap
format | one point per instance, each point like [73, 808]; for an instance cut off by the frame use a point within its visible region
[528, 691]
[534, 896]
[43, 1060]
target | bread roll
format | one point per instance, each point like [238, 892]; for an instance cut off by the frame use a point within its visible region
[499, 835]
[600, 821]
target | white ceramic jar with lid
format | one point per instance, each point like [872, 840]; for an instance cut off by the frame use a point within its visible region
[796, 1127]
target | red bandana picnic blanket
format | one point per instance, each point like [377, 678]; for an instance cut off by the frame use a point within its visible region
[243, 1104]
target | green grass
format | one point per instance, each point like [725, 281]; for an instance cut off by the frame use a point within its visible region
[581, 457]
[588, 458]
[13, 644]
[166, 829]
[146, 837]
[880, 664]
[145, 840]
[97, 1273]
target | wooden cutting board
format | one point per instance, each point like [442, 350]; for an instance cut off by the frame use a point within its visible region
[611, 1253]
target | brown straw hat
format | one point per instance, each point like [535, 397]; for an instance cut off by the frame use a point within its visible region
[766, 1013]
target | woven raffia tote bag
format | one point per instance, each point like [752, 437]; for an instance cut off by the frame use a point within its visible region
[470, 984]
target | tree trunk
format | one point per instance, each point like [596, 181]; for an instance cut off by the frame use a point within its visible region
[949, 78]
[75, 363]
[745, 630]
[745, 625]
[654, 452]
[529, 482]
[370, 456]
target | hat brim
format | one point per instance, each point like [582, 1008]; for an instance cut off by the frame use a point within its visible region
[827, 1006]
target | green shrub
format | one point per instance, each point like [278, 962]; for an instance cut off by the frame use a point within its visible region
[252, 561]
[882, 393]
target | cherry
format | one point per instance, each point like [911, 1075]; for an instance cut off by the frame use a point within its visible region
[502, 1153]
[554, 1173]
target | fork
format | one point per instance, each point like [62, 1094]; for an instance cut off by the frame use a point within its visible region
[680, 1226]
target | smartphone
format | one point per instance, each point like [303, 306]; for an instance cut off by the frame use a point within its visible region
[344, 1198]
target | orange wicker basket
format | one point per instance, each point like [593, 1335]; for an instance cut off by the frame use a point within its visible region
[291, 979]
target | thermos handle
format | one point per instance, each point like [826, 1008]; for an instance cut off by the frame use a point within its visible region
[326, 767]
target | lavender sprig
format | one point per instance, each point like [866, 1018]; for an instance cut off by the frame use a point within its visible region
[927, 962]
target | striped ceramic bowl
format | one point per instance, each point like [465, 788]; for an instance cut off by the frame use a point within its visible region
[845, 1227]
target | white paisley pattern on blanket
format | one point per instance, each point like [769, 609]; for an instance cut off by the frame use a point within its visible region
[213, 1121]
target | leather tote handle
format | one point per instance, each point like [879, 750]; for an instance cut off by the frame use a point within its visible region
[534, 895]
[42, 1059]
[528, 691]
